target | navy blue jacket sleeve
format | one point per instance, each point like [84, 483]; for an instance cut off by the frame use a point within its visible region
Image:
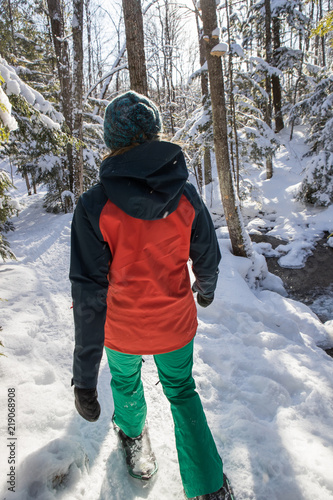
[90, 260]
[204, 249]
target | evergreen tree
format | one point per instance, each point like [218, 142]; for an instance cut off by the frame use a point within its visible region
[7, 205]
[38, 143]
[317, 111]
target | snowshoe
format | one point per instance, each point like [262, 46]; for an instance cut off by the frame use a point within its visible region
[140, 459]
[224, 493]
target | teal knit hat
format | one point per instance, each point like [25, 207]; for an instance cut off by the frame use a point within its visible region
[130, 116]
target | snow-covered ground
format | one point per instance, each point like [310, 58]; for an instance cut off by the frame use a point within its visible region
[266, 386]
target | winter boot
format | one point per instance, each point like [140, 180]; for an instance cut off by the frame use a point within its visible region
[224, 493]
[140, 459]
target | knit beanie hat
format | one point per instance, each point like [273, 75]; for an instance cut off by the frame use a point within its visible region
[130, 116]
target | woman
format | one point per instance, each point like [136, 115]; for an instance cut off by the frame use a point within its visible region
[132, 236]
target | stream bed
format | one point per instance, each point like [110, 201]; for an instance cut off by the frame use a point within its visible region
[312, 284]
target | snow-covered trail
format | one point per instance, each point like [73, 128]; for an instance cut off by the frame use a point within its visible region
[38, 337]
[266, 387]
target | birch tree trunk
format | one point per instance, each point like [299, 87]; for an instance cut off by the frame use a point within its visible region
[77, 27]
[135, 45]
[240, 245]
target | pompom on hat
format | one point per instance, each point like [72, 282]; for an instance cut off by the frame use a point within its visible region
[130, 117]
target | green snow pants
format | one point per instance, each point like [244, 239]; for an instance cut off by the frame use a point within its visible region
[200, 465]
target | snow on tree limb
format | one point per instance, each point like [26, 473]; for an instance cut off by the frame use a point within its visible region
[6, 119]
[13, 85]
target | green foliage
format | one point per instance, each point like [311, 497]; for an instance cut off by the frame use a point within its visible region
[39, 146]
[325, 26]
[7, 210]
[39, 149]
[4, 132]
[25, 42]
[6, 205]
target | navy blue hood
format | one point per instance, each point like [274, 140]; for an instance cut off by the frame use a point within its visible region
[146, 182]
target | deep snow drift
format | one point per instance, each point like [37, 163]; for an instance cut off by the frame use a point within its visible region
[266, 386]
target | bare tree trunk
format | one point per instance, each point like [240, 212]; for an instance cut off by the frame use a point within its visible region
[308, 33]
[200, 175]
[300, 73]
[215, 72]
[11, 20]
[317, 40]
[207, 166]
[232, 100]
[204, 93]
[77, 26]
[88, 24]
[26, 178]
[64, 71]
[323, 38]
[277, 94]
[167, 41]
[268, 110]
[135, 45]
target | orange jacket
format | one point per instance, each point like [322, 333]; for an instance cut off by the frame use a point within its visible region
[132, 237]
[150, 305]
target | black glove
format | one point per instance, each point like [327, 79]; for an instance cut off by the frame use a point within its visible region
[87, 404]
[204, 301]
[201, 299]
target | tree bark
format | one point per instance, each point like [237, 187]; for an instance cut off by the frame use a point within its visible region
[77, 27]
[64, 72]
[63, 60]
[27, 183]
[228, 8]
[323, 38]
[135, 45]
[268, 110]
[11, 20]
[215, 72]
[277, 94]
[207, 166]
[204, 94]
[88, 25]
